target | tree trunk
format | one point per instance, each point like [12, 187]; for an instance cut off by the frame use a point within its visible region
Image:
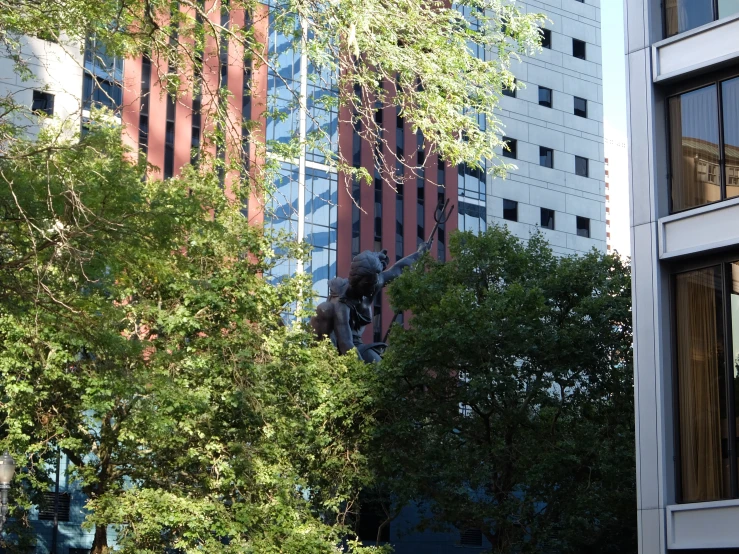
[100, 544]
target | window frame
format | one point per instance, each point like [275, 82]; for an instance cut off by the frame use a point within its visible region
[685, 266]
[584, 46]
[48, 99]
[546, 34]
[513, 153]
[691, 85]
[511, 92]
[515, 202]
[574, 106]
[546, 104]
[541, 218]
[577, 226]
[550, 150]
[587, 166]
[716, 17]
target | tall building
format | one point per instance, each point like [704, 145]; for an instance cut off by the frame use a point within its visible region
[617, 197]
[554, 131]
[682, 60]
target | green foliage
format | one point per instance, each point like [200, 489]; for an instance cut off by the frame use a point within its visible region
[508, 403]
[138, 334]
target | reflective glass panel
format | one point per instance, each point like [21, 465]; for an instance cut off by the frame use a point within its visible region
[704, 467]
[730, 101]
[683, 15]
[694, 151]
[727, 8]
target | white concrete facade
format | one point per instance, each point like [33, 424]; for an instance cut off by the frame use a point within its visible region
[662, 243]
[55, 68]
[557, 127]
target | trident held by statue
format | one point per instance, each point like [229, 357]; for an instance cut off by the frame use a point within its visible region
[441, 216]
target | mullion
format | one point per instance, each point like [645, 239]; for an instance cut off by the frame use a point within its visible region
[721, 160]
[729, 380]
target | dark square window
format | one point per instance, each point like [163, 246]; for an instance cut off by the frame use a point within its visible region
[510, 210]
[581, 107]
[43, 102]
[546, 38]
[581, 166]
[578, 48]
[509, 91]
[545, 97]
[512, 150]
[583, 227]
[547, 218]
[546, 157]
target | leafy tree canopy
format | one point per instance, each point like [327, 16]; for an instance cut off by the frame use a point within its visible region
[508, 403]
[139, 336]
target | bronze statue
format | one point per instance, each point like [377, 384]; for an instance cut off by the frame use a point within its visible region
[350, 305]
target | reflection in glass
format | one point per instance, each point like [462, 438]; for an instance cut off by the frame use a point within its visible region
[701, 394]
[727, 8]
[694, 152]
[683, 15]
[730, 101]
[734, 318]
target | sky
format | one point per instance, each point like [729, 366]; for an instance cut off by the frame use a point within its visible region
[614, 68]
[614, 123]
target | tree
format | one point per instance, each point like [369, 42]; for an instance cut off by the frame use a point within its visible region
[508, 402]
[442, 66]
[146, 344]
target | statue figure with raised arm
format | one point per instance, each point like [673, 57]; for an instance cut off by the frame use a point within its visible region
[349, 308]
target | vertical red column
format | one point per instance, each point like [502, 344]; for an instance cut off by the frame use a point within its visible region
[388, 202]
[131, 105]
[183, 109]
[452, 192]
[260, 20]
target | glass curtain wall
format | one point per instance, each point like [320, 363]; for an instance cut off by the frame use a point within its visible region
[317, 214]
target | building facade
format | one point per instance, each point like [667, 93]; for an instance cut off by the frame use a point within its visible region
[554, 131]
[682, 59]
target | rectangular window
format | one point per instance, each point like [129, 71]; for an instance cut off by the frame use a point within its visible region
[583, 227]
[581, 166]
[546, 38]
[705, 393]
[510, 91]
[547, 218]
[510, 150]
[43, 102]
[683, 15]
[730, 123]
[510, 210]
[694, 148]
[546, 157]
[578, 48]
[545, 97]
[581, 107]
